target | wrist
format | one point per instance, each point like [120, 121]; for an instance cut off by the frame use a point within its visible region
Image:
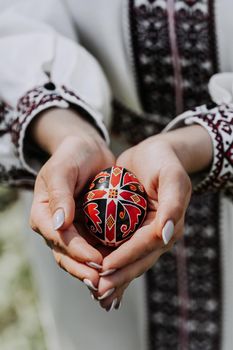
[193, 147]
[52, 127]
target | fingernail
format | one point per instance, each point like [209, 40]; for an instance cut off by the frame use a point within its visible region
[118, 305]
[168, 231]
[114, 302]
[89, 284]
[58, 219]
[93, 297]
[107, 294]
[107, 273]
[94, 265]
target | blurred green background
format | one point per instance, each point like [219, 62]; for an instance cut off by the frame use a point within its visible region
[20, 327]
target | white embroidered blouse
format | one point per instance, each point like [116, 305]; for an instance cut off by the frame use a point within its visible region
[43, 64]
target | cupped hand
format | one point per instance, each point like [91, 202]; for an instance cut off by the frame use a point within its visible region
[157, 166]
[57, 189]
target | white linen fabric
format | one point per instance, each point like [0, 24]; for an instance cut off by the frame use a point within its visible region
[39, 44]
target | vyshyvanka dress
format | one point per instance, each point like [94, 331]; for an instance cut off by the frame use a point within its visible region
[140, 64]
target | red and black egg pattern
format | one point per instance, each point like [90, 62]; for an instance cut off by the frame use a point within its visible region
[115, 205]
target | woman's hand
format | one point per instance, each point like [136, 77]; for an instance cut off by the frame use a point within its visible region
[162, 164]
[78, 153]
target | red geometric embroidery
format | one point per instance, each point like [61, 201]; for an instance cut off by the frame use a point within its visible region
[219, 123]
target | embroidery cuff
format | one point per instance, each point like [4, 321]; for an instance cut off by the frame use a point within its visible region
[34, 102]
[218, 121]
[11, 169]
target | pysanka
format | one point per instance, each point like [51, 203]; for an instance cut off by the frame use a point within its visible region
[115, 205]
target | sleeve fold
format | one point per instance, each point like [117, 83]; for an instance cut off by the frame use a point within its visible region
[33, 103]
[42, 66]
[218, 121]
[12, 171]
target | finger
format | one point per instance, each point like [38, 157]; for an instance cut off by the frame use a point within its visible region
[141, 244]
[115, 300]
[67, 172]
[174, 191]
[84, 273]
[128, 273]
[69, 241]
[60, 181]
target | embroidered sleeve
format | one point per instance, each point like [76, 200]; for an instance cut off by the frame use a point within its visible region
[218, 121]
[42, 66]
[19, 160]
[37, 100]
[12, 171]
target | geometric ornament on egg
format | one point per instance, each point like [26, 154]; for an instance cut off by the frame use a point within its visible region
[115, 206]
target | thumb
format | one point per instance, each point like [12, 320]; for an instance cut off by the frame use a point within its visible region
[173, 197]
[61, 201]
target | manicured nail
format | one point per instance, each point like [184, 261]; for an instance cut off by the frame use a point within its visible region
[94, 265]
[107, 273]
[168, 231]
[93, 297]
[58, 219]
[114, 302]
[89, 284]
[107, 294]
[118, 305]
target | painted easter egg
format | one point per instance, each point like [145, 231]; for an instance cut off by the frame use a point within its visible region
[114, 206]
